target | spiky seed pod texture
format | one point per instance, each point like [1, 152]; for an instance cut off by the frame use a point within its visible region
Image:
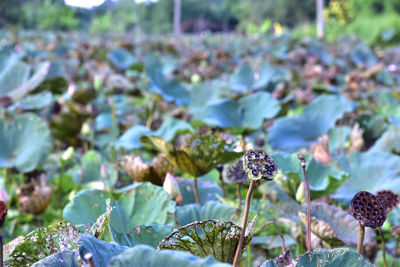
[3, 212]
[367, 209]
[234, 174]
[388, 199]
[259, 165]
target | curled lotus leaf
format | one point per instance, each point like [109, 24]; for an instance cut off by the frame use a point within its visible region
[208, 238]
[143, 172]
[198, 155]
[334, 225]
[333, 258]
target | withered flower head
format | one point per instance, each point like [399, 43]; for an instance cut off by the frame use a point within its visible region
[367, 209]
[259, 165]
[233, 173]
[388, 199]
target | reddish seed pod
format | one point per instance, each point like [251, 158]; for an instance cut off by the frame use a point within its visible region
[367, 209]
[388, 199]
[3, 212]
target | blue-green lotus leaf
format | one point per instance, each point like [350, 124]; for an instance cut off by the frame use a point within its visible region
[273, 241]
[269, 263]
[90, 167]
[25, 142]
[142, 255]
[143, 234]
[208, 191]
[141, 204]
[121, 58]
[332, 258]
[13, 73]
[242, 79]
[370, 171]
[60, 259]
[101, 251]
[168, 130]
[42, 243]
[211, 210]
[389, 141]
[338, 137]
[247, 112]
[294, 132]
[34, 102]
[170, 90]
[323, 179]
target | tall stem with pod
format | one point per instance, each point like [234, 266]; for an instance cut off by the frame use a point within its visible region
[257, 165]
[303, 165]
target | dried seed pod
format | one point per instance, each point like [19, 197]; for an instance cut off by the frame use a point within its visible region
[3, 212]
[388, 199]
[233, 173]
[34, 197]
[367, 209]
[259, 165]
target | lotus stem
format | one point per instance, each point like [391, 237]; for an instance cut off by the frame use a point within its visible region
[176, 219]
[279, 233]
[222, 183]
[303, 165]
[239, 208]
[361, 239]
[151, 115]
[89, 259]
[249, 260]
[195, 190]
[244, 224]
[383, 247]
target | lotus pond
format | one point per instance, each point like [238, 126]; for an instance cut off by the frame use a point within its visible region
[124, 151]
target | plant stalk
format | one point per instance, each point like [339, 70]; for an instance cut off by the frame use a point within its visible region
[303, 165]
[222, 184]
[244, 224]
[239, 208]
[361, 239]
[383, 247]
[195, 190]
[279, 233]
[1, 248]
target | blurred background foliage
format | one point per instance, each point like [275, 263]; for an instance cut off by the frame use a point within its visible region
[249, 16]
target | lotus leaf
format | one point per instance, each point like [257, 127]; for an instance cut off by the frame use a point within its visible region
[131, 138]
[332, 258]
[370, 171]
[389, 141]
[243, 78]
[101, 251]
[131, 210]
[210, 210]
[334, 225]
[323, 179]
[198, 156]
[246, 112]
[90, 167]
[121, 58]
[25, 142]
[294, 132]
[170, 90]
[41, 243]
[269, 263]
[211, 237]
[149, 235]
[34, 102]
[142, 255]
[60, 259]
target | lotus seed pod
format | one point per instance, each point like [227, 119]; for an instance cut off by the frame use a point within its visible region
[3, 212]
[367, 209]
[388, 199]
[259, 165]
[233, 173]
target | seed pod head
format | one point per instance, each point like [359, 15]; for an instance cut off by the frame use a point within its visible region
[388, 199]
[3, 212]
[366, 208]
[233, 173]
[259, 165]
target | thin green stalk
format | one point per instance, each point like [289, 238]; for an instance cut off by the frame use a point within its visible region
[152, 111]
[195, 190]
[222, 184]
[279, 233]
[361, 239]
[383, 247]
[249, 260]
[303, 165]
[236, 260]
